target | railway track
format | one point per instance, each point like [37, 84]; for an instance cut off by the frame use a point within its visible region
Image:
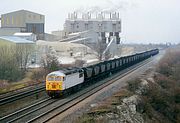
[47, 111]
[3, 94]
[26, 111]
[16, 96]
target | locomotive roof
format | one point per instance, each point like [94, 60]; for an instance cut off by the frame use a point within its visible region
[57, 73]
[66, 71]
[71, 70]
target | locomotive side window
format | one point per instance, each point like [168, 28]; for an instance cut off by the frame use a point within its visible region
[80, 75]
[64, 78]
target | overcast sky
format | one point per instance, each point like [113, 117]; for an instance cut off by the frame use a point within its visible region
[143, 21]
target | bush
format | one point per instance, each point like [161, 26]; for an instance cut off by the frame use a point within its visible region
[85, 119]
[13, 61]
[166, 98]
[168, 65]
[164, 81]
[10, 71]
[39, 75]
[133, 85]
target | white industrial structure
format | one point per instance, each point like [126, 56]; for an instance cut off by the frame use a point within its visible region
[90, 29]
[103, 24]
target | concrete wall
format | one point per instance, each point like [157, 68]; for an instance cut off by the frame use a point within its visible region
[96, 25]
[59, 34]
[9, 31]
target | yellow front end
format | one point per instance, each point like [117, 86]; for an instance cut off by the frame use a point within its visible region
[54, 85]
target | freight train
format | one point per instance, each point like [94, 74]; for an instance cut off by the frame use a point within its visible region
[64, 82]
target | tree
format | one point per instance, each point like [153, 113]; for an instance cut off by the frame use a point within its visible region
[50, 61]
[99, 48]
[9, 69]
[14, 59]
[23, 52]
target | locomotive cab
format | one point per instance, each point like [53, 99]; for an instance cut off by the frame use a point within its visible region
[54, 83]
[59, 82]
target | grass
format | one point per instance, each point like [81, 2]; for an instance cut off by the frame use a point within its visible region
[12, 86]
[122, 94]
[101, 109]
[85, 119]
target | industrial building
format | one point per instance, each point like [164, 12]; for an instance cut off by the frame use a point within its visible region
[17, 47]
[22, 21]
[16, 43]
[14, 40]
[27, 36]
[105, 25]
[93, 30]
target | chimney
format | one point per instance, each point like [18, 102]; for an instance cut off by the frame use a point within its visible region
[68, 15]
[76, 15]
[88, 15]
